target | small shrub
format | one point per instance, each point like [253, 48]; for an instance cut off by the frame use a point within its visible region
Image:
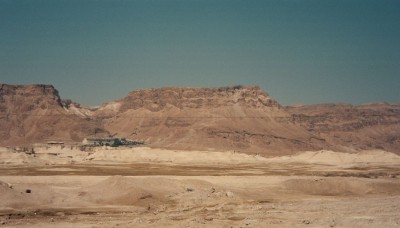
[236, 87]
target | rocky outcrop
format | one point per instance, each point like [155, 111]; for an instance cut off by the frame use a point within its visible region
[239, 118]
[230, 118]
[36, 114]
[184, 98]
[363, 127]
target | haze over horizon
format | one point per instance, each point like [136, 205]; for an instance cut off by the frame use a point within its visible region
[298, 51]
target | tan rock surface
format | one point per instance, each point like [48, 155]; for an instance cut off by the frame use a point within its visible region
[348, 127]
[233, 118]
[239, 118]
[36, 114]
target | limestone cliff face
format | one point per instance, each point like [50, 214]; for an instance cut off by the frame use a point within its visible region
[370, 126]
[35, 113]
[240, 118]
[230, 118]
[24, 99]
[189, 98]
[156, 100]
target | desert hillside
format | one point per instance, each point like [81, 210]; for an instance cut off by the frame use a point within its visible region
[35, 114]
[238, 118]
[369, 126]
[231, 118]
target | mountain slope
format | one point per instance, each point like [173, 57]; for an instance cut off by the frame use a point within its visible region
[231, 118]
[35, 114]
[238, 118]
[348, 127]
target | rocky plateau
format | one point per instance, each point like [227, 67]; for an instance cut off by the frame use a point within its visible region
[237, 118]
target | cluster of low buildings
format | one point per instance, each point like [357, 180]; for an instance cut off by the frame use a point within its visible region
[114, 142]
[87, 143]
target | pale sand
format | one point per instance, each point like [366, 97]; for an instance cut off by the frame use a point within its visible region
[309, 189]
[55, 155]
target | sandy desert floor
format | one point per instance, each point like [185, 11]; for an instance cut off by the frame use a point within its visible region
[144, 187]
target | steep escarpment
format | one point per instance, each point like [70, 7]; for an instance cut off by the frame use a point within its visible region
[239, 118]
[35, 113]
[363, 127]
[231, 118]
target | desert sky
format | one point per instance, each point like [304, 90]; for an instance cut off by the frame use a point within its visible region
[307, 52]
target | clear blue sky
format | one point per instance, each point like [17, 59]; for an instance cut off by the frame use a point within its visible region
[299, 51]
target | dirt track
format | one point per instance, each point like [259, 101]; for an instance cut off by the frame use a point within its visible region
[196, 170]
[250, 194]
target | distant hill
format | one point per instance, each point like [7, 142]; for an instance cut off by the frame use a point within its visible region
[231, 118]
[348, 127]
[35, 113]
[240, 118]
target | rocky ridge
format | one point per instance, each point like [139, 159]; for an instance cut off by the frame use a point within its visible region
[239, 118]
[231, 118]
[35, 113]
[363, 127]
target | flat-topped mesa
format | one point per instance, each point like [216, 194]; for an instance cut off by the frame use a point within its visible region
[241, 118]
[183, 98]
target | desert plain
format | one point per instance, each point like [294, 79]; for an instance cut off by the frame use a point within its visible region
[148, 187]
[204, 157]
